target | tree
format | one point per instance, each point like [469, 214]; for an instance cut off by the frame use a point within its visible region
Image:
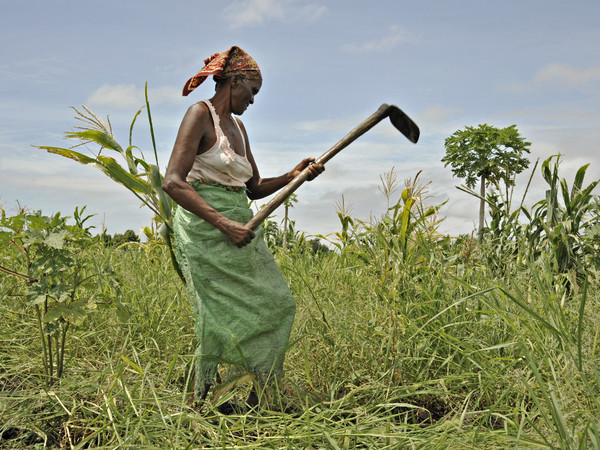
[487, 154]
[119, 239]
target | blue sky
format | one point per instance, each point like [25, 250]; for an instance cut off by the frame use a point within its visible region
[327, 65]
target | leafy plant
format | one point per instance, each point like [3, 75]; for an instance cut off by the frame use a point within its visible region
[142, 178]
[386, 353]
[487, 154]
[288, 203]
[407, 221]
[553, 350]
[564, 221]
[51, 260]
[410, 214]
[119, 239]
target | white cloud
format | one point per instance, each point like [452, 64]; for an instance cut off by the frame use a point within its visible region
[563, 74]
[129, 96]
[28, 68]
[437, 120]
[437, 113]
[395, 37]
[328, 125]
[244, 13]
[34, 163]
[312, 11]
[121, 96]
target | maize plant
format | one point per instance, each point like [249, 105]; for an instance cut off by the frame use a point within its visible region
[560, 222]
[142, 178]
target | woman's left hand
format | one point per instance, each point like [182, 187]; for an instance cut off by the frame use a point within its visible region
[314, 170]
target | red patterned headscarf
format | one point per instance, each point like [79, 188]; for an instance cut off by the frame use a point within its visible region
[234, 61]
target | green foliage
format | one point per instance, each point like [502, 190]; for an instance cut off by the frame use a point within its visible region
[565, 223]
[285, 237]
[118, 239]
[496, 154]
[63, 286]
[402, 339]
[406, 229]
[282, 240]
[486, 154]
[279, 238]
[351, 232]
[139, 176]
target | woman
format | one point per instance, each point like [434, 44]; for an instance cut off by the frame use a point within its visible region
[243, 307]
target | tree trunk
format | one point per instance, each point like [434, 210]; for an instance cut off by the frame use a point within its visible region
[481, 208]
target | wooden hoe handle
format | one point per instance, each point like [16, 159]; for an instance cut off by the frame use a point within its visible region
[400, 120]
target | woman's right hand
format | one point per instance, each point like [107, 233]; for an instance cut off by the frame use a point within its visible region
[238, 233]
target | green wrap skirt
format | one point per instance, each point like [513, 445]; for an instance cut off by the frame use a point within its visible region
[243, 307]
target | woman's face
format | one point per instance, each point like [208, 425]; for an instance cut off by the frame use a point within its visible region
[242, 94]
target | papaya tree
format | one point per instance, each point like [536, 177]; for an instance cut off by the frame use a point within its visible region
[486, 154]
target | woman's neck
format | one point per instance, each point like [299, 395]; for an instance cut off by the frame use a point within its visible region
[221, 101]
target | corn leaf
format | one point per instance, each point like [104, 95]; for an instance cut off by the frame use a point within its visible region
[131, 161]
[99, 137]
[165, 204]
[131, 126]
[112, 168]
[71, 154]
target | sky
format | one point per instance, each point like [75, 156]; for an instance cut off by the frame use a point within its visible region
[327, 66]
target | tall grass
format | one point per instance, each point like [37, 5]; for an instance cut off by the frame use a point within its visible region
[414, 343]
[382, 357]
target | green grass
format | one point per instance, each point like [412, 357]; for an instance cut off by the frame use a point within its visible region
[386, 352]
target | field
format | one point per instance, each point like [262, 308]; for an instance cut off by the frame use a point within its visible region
[403, 338]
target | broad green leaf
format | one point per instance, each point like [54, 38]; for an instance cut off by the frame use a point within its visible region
[6, 237]
[76, 312]
[37, 299]
[579, 178]
[565, 195]
[131, 161]
[51, 327]
[143, 163]
[38, 221]
[165, 203]
[56, 239]
[55, 313]
[14, 223]
[122, 312]
[71, 154]
[112, 168]
[32, 237]
[98, 137]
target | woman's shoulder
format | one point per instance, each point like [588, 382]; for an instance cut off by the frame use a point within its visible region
[198, 114]
[199, 109]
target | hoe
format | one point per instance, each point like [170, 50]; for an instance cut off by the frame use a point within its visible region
[401, 121]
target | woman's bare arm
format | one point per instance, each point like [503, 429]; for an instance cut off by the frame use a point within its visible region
[194, 128]
[258, 187]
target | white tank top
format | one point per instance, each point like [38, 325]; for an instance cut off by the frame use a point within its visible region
[220, 164]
